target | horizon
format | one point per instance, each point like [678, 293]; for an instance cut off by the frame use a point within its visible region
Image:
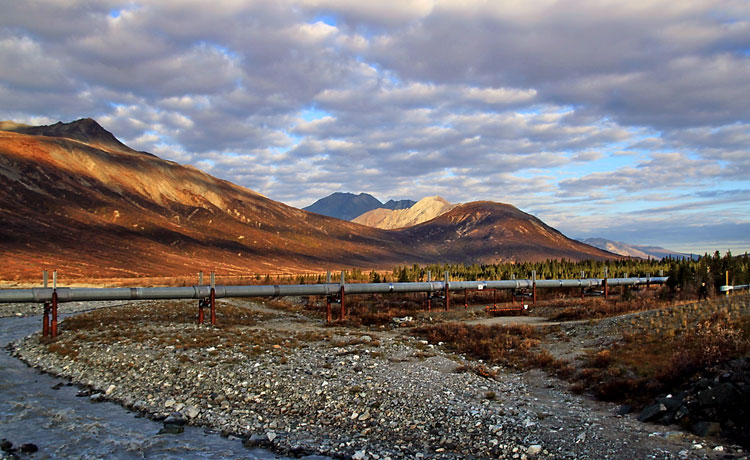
[629, 122]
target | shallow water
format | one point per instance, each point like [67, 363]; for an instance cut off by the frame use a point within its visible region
[65, 426]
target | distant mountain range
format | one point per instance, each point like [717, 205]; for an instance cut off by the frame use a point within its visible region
[347, 206]
[633, 250]
[422, 211]
[78, 200]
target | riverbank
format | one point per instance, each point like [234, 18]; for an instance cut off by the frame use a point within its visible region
[282, 380]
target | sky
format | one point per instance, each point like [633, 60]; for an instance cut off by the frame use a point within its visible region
[621, 120]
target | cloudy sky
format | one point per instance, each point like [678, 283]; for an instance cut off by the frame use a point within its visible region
[628, 120]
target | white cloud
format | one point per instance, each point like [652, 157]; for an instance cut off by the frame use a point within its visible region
[594, 106]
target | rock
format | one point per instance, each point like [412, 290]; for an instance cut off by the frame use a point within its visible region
[271, 436]
[191, 412]
[110, 389]
[652, 412]
[171, 428]
[671, 403]
[623, 410]
[706, 428]
[169, 403]
[725, 394]
[28, 448]
[175, 418]
[256, 440]
[5, 445]
[358, 455]
[534, 449]
[96, 397]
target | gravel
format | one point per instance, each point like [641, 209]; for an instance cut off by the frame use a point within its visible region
[365, 394]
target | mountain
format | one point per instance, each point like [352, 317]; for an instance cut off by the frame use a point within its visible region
[398, 204]
[347, 206]
[96, 209]
[488, 232]
[632, 250]
[423, 210]
[90, 207]
[344, 205]
[85, 130]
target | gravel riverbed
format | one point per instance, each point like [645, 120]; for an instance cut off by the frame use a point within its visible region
[301, 388]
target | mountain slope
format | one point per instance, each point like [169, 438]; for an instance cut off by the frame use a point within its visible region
[633, 250]
[112, 212]
[91, 208]
[490, 232]
[425, 209]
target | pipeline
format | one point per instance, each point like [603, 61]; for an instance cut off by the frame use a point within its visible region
[62, 294]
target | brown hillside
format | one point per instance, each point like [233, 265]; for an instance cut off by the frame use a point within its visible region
[490, 232]
[91, 208]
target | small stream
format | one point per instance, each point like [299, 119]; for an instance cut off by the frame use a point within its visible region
[65, 426]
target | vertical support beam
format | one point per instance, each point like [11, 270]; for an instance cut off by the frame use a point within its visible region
[53, 325]
[328, 309]
[45, 319]
[727, 282]
[200, 278]
[466, 300]
[648, 281]
[200, 311]
[341, 295]
[606, 288]
[328, 277]
[494, 299]
[429, 294]
[533, 287]
[447, 293]
[212, 299]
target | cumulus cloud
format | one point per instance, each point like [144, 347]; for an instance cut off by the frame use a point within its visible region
[580, 111]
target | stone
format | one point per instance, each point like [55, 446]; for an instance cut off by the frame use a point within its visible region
[534, 449]
[256, 440]
[171, 428]
[5, 445]
[705, 428]
[358, 455]
[110, 389]
[96, 397]
[28, 448]
[652, 412]
[271, 436]
[623, 410]
[175, 418]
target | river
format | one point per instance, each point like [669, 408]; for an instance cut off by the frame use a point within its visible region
[62, 425]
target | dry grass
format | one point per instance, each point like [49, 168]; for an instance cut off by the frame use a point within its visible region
[515, 346]
[664, 349]
[598, 307]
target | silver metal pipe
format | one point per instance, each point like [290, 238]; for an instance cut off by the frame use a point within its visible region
[41, 295]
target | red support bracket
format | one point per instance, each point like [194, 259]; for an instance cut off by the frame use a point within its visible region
[329, 316]
[201, 305]
[53, 326]
[212, 300]
[343, 305]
